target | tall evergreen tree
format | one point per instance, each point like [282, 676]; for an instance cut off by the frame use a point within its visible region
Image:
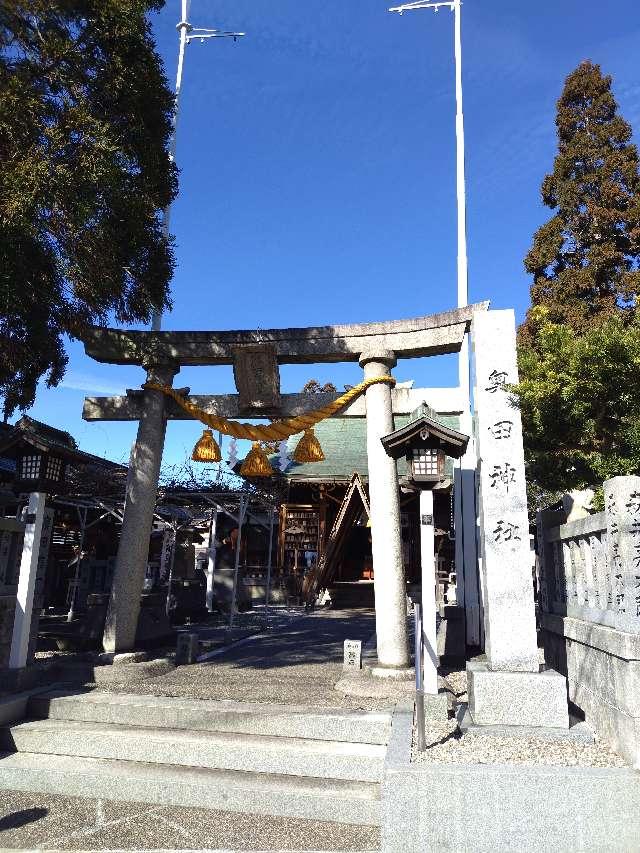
[584, 260]
[85, 122]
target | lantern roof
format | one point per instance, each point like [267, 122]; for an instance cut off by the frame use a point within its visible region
[425, 429]
[46, 439]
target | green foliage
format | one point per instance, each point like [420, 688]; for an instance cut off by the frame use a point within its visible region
[584, 260]
[85, 122]
[579, 399]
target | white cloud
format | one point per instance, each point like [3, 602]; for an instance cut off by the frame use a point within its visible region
[89, 384]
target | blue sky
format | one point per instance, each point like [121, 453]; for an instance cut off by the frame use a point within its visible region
[317, 161]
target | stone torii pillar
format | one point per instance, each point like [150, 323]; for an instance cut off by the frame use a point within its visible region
[386, 542]
[140, 502]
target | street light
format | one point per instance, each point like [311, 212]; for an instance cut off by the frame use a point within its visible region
[188, 33]
[464, 476]
[463, 290]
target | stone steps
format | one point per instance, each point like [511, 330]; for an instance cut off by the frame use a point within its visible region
[164, 784]
[211, 750]
[314, 763]
[214, 716]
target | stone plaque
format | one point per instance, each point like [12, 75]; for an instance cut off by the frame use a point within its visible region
[257, 378]
[352, 655]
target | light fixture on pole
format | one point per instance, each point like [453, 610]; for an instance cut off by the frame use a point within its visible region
[188, 33]
[463, 290]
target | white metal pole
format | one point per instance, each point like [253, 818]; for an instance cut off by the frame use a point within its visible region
[187, 34]
[463, 274]
[27, 581]
[183, 28]
[211, 558]
[266, 599]
[74, 592]
[464, 485]
[466, 552]
[172, 559]
[241, 512]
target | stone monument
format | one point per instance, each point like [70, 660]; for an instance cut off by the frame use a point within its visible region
[509, 688]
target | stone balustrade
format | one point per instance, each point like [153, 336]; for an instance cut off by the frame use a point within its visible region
[589, 569]
[589, 597]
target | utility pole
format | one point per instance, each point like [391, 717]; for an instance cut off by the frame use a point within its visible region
[187, 34]
[463, 286]
[466, 559]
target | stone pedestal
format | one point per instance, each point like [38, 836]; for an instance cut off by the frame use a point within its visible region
[510, 687]
[140, 502]
[533, 698]
[386, 543]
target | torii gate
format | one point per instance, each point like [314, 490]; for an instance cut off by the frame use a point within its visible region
[255, 356]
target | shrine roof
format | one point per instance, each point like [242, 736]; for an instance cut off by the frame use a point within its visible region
[425, 423]
[47, 438]
[344, 443]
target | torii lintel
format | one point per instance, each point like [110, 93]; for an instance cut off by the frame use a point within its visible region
[433, 334]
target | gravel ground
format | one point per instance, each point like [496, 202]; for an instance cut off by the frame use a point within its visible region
[297, 663]
[446, 745]
[44, 822]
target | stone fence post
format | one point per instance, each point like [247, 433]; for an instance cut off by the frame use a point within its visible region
[622, 508]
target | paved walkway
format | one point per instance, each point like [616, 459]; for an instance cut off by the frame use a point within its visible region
[41, 822]
[297, 660]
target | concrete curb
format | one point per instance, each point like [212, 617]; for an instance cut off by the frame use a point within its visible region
[489, 808]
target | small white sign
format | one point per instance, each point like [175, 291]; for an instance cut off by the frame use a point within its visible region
[352, 654]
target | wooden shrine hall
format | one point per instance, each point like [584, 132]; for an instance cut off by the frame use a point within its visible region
[325, 521]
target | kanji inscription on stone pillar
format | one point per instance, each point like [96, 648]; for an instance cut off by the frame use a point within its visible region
[622, 506]
[510, 631]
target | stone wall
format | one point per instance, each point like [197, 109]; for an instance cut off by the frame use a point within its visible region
[589, 583]
[602, 667]
[484, 808]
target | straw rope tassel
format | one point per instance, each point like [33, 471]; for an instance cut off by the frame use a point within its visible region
[308, 448]
[206, 449]
[256, 463]
[278, 430]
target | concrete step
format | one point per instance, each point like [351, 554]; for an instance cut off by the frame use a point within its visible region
[215, 716]
[130, 781]
[213, 750]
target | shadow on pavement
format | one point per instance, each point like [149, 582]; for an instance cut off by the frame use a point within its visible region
[19, 819]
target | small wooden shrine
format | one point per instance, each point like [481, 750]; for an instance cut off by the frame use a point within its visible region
[325, 527]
